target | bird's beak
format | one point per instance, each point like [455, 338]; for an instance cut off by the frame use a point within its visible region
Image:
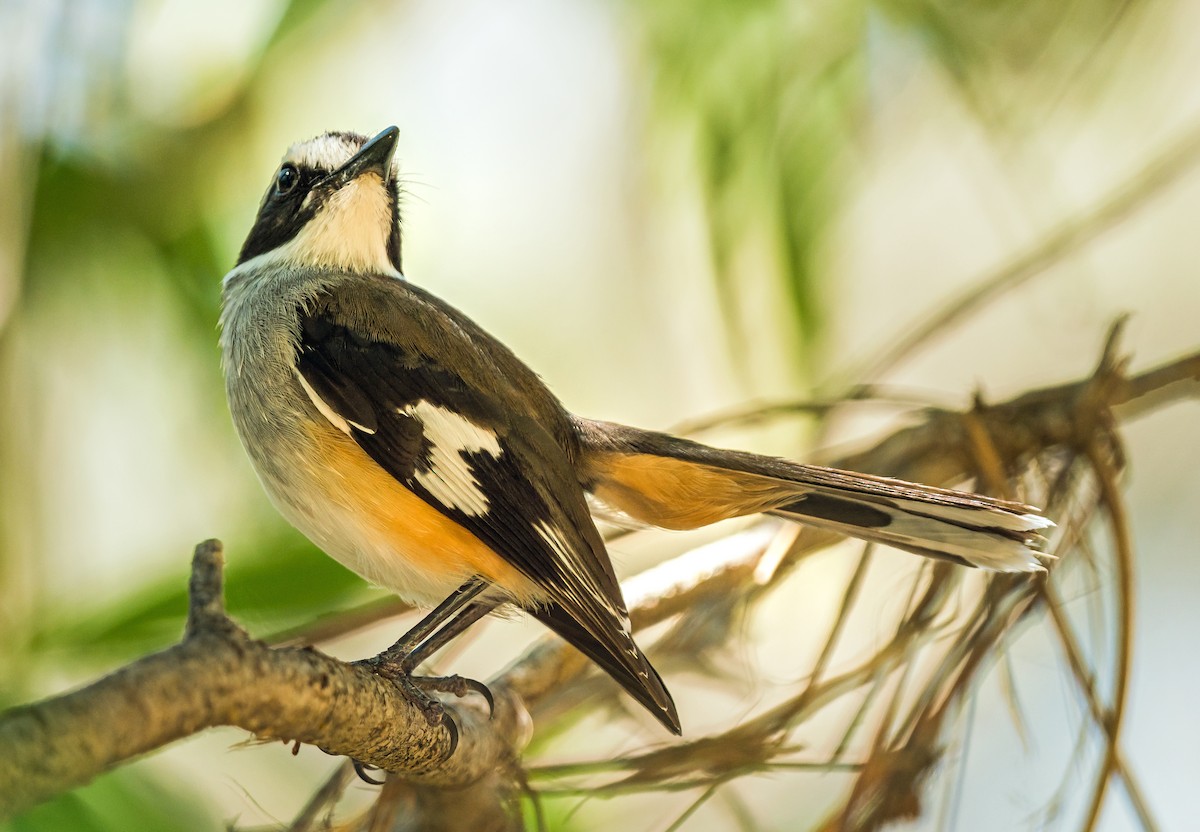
[375, 157]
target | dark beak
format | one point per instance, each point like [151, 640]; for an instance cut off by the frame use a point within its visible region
[375, 157]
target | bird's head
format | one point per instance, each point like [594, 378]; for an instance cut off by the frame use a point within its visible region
[332, 203]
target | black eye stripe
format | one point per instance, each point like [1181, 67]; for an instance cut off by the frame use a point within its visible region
[284, 211]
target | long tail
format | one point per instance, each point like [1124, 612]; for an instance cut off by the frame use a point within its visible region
[968, 529]
[675, 483]
[631, 670]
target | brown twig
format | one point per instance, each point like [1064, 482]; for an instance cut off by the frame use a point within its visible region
[324, 798]
[1085, 681]
[1123, 546]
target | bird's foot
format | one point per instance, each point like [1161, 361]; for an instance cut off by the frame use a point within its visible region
[420, 689]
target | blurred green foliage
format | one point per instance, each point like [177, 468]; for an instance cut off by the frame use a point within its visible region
[771, 93]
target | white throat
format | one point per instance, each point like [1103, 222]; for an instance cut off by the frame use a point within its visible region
[351, 230]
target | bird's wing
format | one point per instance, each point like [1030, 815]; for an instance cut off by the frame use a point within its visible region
[475, 457]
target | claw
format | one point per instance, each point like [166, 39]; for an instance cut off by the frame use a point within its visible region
[460, 686]
[361, 768]
[452, 729]
[486, 692]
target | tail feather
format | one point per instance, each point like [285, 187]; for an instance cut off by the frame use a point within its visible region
[629, 667]
[676, 483]
[984, 536]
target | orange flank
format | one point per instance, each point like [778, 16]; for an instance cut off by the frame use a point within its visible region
[402, 523]
[675, 494]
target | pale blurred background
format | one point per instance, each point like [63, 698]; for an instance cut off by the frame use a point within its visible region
[667, 208]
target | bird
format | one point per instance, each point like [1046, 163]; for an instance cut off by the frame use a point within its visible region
[415, 448]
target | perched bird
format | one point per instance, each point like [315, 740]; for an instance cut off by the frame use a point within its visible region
[415, 448]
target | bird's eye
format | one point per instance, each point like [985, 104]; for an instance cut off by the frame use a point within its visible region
[287, 180]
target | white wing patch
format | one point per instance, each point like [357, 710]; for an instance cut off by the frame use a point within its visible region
[449, 478]
[328, 412]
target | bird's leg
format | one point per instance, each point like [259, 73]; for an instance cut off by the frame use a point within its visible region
[399, 652]
[417, 686]
[434, 631]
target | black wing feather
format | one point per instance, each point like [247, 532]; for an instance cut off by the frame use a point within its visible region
[643, 683]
